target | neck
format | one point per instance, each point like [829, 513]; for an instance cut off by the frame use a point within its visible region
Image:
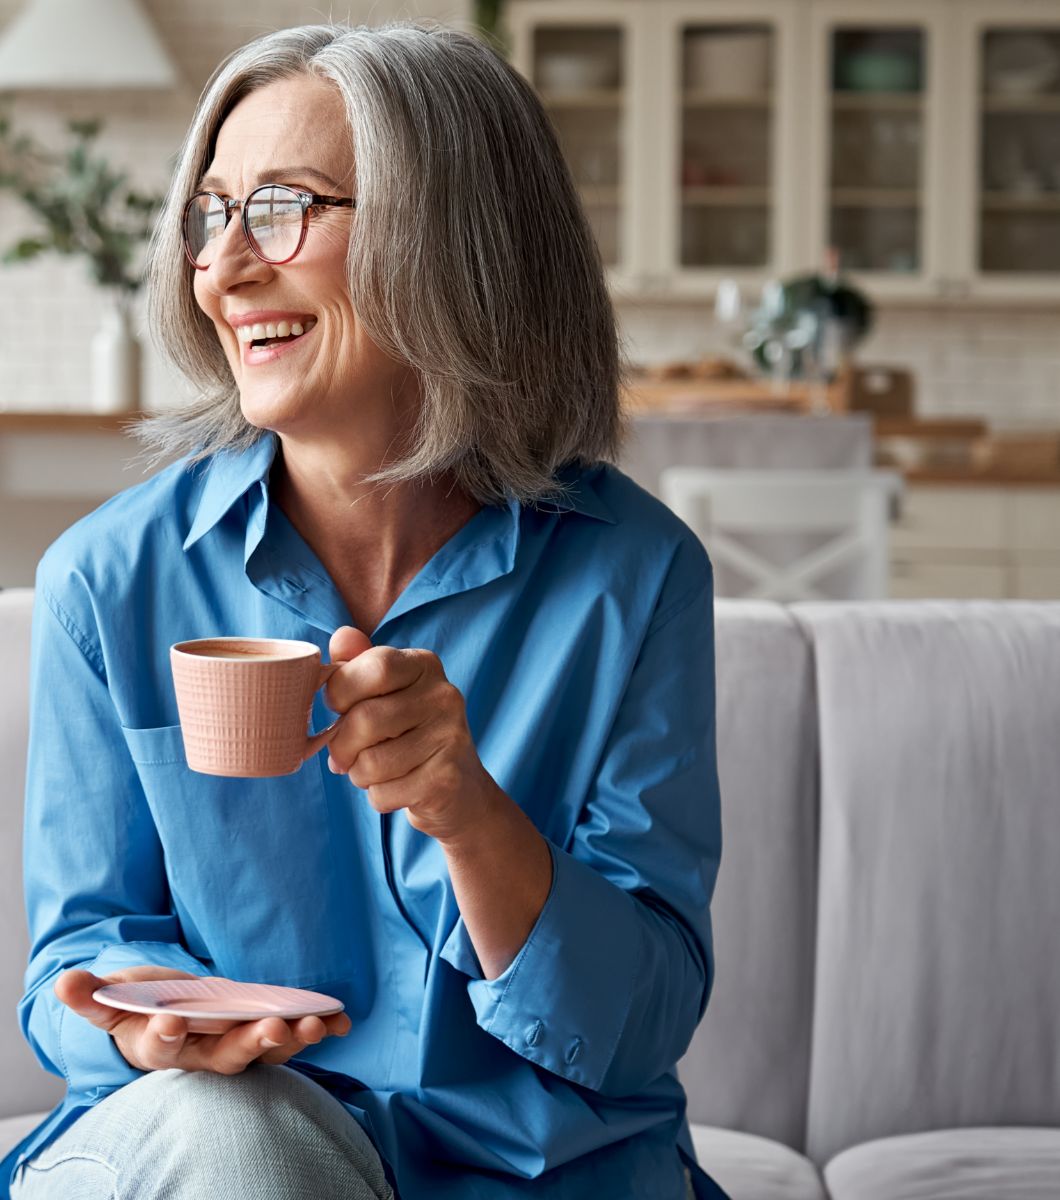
[371, 537]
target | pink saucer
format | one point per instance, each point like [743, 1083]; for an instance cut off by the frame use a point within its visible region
[216, 1005]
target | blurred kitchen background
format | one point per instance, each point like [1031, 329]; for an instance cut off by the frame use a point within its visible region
[832, 230]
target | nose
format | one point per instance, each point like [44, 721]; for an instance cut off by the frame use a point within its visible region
[234, 263]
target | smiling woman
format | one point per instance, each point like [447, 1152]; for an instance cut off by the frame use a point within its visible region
[374, 269]
[469, 262]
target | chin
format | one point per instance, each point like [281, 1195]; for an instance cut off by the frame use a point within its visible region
[275, 412]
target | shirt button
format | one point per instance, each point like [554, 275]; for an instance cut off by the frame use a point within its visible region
[573, 1050]
[533, 1033]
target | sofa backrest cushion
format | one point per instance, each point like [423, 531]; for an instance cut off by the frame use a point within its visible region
[24, 1086]
[748, 1065]
[938, 952]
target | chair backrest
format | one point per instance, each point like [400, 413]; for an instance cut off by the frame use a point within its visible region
[757, 441]
[789, 535]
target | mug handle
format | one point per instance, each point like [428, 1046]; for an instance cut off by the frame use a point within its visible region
[317, 741]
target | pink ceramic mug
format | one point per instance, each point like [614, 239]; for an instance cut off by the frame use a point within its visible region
[245, 704]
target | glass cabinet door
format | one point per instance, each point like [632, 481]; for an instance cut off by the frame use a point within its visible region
[880, 159]
[726, 146]
[1018, 135]
[579, 68]
[876, 125]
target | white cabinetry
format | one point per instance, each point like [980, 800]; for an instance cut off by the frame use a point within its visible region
[977, 543]
[742, 138]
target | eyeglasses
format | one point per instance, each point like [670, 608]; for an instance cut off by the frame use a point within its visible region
[275, 220]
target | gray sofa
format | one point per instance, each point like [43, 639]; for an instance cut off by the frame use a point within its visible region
[886, 1019]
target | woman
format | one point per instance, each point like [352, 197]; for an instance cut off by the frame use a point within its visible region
[374, 268]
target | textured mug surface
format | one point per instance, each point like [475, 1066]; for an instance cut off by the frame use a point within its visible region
[245, 703]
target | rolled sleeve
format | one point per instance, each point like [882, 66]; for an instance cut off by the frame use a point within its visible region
[610, 984]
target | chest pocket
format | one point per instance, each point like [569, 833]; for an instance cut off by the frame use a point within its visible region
[251, 864]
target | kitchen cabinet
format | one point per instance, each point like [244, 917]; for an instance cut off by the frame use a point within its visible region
[585, 60]
[743, 138]
[877, 88]
[679, 122]
[1007, 230]
[990, 542]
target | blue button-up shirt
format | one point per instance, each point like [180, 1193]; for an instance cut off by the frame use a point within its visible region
[580, 635]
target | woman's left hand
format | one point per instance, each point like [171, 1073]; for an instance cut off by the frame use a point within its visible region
[403, 736]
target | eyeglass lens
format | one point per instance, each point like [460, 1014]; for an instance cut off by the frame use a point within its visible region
[273, 216]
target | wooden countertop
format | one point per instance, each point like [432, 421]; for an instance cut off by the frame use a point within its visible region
[997, 476]
[67, 422]
[951, 476]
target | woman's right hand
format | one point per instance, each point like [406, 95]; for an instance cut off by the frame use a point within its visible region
[141, 1038]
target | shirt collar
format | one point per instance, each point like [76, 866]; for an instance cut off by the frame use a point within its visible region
[229, 476]
[232, 473]
[579, 493]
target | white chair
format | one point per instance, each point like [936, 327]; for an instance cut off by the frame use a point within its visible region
[789, 535]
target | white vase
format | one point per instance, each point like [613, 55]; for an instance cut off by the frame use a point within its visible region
[115, 363]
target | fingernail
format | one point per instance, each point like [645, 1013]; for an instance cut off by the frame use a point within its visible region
[170, 1037]
[270, 1043]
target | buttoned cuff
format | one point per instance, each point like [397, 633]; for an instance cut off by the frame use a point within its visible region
[564, 1000]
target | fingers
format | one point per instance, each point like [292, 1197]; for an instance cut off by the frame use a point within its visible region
[378, 671]
[270, 1041]
[347, 643]
[392, 759]
[306, 1031]
[380, 719]
[75, 987]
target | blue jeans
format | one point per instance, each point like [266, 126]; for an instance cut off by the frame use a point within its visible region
[268, 1133]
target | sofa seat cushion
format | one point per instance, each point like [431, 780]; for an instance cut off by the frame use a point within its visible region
[749, 1167]
[950, 1164]
[14, 1129]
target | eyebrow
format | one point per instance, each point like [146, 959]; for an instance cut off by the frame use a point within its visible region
[212, 183]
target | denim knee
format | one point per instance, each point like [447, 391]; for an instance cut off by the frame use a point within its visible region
[267, 1133]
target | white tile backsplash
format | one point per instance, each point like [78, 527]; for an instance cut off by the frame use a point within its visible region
[1001, 365]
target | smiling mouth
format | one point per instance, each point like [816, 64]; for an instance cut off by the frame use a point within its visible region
[278, 333]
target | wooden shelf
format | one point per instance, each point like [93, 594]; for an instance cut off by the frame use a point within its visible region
[847, 197]
[1001, 102]
[726, 197]
[594, 98]
[874, 102]
[67, 422]
[694, 99]
[1011, 202]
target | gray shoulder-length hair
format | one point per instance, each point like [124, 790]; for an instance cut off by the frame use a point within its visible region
[470, 259]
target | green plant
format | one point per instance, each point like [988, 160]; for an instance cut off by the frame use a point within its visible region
[815, 318]
[82, 206]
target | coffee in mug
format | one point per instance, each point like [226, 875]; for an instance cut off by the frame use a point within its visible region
[245, 703]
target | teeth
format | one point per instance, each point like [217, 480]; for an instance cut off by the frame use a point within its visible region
[259, 331]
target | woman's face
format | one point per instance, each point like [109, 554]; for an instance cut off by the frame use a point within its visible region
[294, 132]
